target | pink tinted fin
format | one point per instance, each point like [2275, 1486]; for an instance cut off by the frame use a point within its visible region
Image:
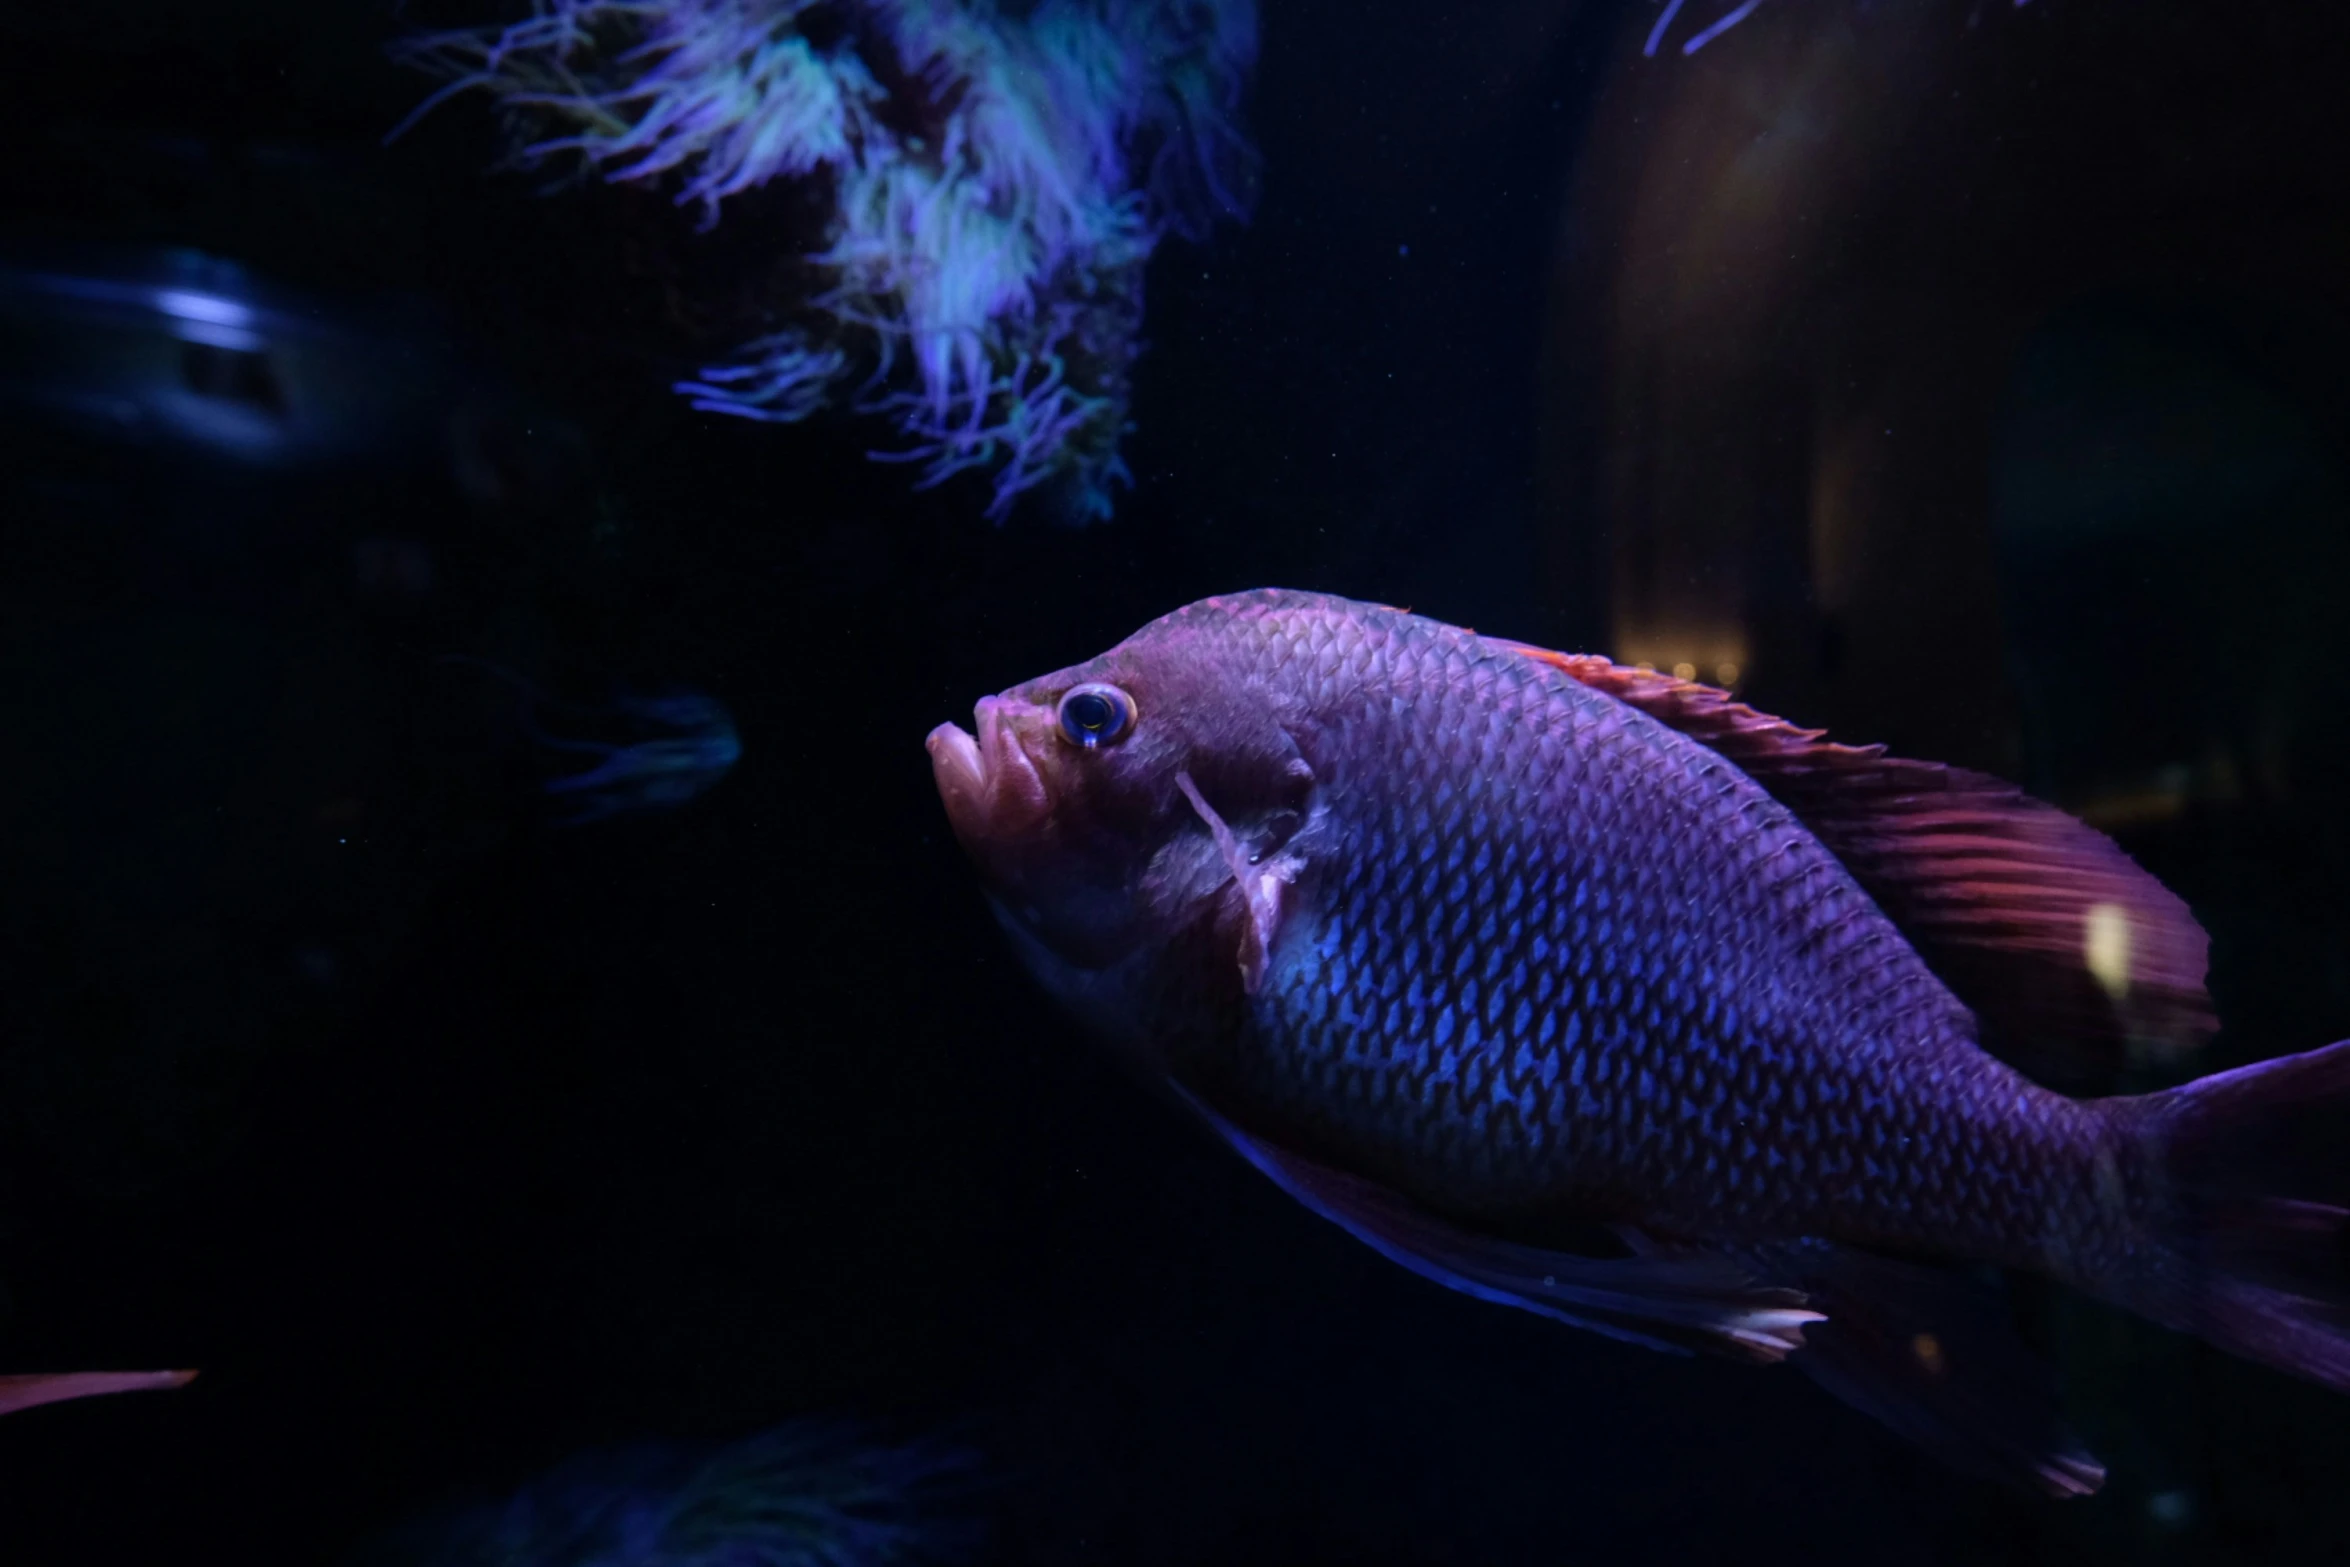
[2068, 953]
[1932, 1354]
[1263, 888]
[2255, 1181]
[1677, 1303]
[25, 1392]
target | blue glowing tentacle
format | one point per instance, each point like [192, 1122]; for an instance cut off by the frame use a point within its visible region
[1740, 14]
[782, 381]
[1656, 34]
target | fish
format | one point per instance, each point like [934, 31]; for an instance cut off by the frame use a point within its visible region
[1594, 992]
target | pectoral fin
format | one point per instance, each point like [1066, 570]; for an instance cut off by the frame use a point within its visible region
[1264, 889]
[1681, 1302]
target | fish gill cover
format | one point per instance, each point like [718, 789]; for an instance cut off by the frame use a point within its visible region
[996, 176]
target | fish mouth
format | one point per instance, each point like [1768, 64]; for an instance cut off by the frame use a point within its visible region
[990, 786]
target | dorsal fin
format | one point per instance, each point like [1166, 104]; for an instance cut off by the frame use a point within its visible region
[2065, 949]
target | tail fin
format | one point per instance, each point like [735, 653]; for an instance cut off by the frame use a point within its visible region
[2254, 1167]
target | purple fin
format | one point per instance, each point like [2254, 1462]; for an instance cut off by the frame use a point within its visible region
[2254, 1176]
[2065, 949]
[1933, 1355]
[1677, 1302]
[27, 1392]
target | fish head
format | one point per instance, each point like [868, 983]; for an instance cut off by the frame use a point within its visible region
[1073, 793]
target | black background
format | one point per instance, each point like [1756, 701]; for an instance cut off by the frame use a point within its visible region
[451, 1144]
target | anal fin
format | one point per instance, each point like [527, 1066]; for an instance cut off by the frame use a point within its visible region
[1933, 1354]
[1926, 1350]
[1682, 1302]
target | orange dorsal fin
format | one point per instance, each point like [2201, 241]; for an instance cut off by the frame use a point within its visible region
[2068, 953]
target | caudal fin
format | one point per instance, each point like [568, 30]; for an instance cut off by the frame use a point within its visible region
[2253, 1191]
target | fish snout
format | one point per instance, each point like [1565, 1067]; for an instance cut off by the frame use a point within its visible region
[988, 782]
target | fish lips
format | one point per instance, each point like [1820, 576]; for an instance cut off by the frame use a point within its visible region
[988, 782]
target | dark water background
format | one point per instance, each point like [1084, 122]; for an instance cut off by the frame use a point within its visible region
[1975, 376]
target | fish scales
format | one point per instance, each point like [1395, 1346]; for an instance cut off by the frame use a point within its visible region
[1746, 1017]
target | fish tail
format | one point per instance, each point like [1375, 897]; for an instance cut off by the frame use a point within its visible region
[2246, 1197]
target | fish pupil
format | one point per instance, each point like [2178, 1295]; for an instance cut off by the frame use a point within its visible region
[1092, 717]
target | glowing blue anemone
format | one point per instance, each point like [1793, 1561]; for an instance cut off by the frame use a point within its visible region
[998, 176]
[804, 1495]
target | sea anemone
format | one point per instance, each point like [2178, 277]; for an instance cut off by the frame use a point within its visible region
[996, 176]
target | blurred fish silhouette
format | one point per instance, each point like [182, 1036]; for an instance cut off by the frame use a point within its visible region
[1483, 951]
[195, 353]
[655, 753]
[807, 1494]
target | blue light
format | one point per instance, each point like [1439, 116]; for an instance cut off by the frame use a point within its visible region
[205, 309]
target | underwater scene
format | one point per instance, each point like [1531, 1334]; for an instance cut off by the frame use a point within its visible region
[1174, 783]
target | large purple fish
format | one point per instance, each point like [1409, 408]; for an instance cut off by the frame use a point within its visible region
[1484, 952]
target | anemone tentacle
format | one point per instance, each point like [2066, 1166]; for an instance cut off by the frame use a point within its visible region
[997, 179]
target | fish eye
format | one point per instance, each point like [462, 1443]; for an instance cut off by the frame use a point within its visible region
[1094, 715]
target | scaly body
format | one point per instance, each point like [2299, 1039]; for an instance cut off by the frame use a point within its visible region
[1600, 973]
